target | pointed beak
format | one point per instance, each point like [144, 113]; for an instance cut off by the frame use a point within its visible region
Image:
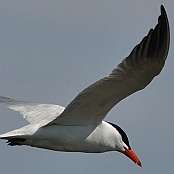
[130, 153]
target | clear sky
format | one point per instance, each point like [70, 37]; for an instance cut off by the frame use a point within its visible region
[51, 50]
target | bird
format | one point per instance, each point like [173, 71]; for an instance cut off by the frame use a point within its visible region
[80, 127]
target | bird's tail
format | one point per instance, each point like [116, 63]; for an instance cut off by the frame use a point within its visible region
[13, 137]
[18, 136]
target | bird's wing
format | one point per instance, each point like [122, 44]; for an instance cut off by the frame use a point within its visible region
[34, 112]
[134, 73]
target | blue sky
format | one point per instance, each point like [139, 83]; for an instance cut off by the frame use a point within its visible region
[52, 50]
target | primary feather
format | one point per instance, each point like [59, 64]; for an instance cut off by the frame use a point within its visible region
[134, 73]
[34, 112]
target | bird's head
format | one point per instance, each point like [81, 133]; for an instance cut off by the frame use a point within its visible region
[123, 146]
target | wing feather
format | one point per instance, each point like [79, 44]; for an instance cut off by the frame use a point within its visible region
[134, 73]
[34, 112]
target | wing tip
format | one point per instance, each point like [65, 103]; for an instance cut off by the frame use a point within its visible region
[163, 11]
[163, 16]
[162, 8]
[165, 27]
[156, 43]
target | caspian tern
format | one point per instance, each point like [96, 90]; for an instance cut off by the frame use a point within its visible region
[80, 127]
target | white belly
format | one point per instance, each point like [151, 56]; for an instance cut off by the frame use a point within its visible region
[70, 138]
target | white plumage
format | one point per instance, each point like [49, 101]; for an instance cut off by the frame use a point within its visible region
[80, 127]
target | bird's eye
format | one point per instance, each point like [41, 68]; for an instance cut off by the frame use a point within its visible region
[125, 148]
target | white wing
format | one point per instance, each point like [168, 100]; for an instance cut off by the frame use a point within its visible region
[134, 73]
[34, 112]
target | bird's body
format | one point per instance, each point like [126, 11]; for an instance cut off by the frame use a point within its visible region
[80, 127]
[90, 139]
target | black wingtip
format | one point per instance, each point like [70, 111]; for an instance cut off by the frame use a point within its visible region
[155, 45]
[162, 8]
[160, 38]
[165, 27]
[163, 12]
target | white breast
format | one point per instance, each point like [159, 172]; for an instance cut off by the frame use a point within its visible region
[75, 138]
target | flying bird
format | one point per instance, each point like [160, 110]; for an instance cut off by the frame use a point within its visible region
[80, 127]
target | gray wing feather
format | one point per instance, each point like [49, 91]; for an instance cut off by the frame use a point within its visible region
[34, 112]
[134, 73]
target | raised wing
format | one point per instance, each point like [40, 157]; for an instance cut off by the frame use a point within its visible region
[135, 72]
[34, 112]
